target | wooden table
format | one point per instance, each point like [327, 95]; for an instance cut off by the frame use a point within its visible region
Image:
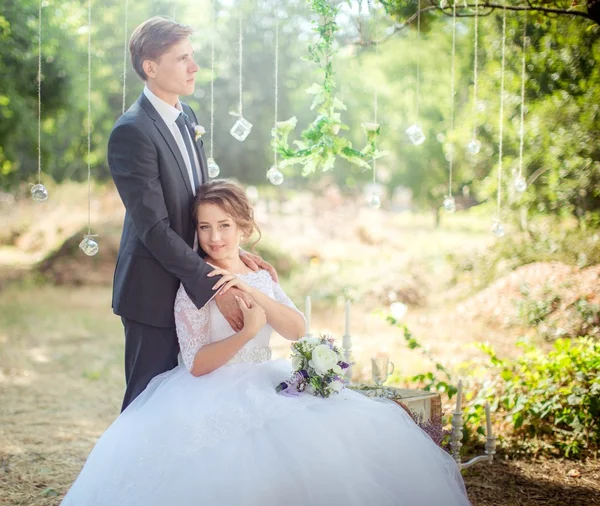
[421, 402]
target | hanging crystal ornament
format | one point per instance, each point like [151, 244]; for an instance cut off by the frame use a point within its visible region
[275, 176]
[497, 227]
[415, 132]
[520, 183]
[374, 201]
[39, 193]
[449, 204]
[474, 146]
[241, 128]
[213, 168]
[89, 245]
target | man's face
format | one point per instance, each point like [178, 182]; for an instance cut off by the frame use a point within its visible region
[175, 71]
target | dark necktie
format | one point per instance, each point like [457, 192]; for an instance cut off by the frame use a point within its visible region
[180, 121]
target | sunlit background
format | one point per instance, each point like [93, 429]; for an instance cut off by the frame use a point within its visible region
[427, 278]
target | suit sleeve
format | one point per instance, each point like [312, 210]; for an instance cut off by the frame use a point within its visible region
[133, 163]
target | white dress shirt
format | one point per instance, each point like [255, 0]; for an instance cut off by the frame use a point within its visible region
[169, 114]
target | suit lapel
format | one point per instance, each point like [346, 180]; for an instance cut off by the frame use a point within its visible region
[169, 139]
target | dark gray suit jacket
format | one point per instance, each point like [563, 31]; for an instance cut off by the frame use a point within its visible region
[156, 250]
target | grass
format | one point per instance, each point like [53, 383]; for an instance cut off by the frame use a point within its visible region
[61, 348]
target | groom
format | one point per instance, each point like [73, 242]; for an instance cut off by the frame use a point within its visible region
[157, 165]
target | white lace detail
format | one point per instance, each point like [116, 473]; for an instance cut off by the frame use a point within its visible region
[199, 327]
[251, 355]
[192, 325]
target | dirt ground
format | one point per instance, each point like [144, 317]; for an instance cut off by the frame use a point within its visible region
[61, 348]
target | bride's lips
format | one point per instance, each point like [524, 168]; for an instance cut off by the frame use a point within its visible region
[216, 248]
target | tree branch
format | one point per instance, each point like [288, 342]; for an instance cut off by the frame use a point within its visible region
[467, 10]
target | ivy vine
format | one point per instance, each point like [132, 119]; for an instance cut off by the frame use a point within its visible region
[321, 144]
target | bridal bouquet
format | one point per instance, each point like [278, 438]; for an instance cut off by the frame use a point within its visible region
[318, 368]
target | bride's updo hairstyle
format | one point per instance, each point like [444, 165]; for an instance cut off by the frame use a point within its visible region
[232, 199]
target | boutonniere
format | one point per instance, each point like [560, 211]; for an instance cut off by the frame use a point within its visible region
[199, 131]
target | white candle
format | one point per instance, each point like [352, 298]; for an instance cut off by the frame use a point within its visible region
[488, 420]
[307, 314]
[459, 397]
[347, 330]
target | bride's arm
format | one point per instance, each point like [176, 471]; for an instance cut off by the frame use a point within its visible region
[282, 315]
[281, 312]
[200, 356]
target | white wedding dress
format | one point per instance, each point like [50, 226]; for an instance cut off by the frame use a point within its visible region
[228, 439]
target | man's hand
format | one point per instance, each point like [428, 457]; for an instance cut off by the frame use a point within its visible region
[230, 308]
[254, 262]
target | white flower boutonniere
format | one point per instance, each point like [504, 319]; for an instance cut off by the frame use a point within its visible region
[199, 131]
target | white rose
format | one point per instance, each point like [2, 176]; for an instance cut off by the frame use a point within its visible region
[323, 359]
[337, 369]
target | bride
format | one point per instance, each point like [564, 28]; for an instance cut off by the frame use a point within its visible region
[214, 432]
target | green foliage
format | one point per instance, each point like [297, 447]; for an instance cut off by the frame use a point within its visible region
[533, 311]
[429, 381]
[321, 144]
[551, 400]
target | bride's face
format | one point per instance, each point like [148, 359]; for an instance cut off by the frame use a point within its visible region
[219, 236]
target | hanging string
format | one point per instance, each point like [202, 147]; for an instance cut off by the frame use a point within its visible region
[451, 154]
[418, 60]
[240, 44]
[39, 90]
[501, 125]
[125, 56]
[212, 80]
[475, 65]
[375, 103]
[276, 89]
[89, 117]
[523, 76]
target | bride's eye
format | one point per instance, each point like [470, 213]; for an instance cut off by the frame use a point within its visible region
[203, 227]
[225, 225]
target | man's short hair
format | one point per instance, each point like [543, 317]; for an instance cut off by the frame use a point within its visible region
[153, 38]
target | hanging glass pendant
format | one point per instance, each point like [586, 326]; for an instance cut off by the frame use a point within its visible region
[415, 134]
[449, 204]
[497, 229]
[520, 184]
[89, 246]
[241, 129]
[39, 193]
[374, 202]
[275, 176]
[474, 146]
[213, 168]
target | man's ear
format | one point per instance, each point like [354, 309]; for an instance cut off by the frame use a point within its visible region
[149, 68]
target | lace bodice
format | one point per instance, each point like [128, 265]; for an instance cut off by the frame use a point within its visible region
[199, 327]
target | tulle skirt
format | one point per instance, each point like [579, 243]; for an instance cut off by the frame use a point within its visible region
[228, 439]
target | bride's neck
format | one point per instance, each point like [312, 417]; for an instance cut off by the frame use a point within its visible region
[233, 265]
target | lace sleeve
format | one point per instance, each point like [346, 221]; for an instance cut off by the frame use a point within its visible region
[192, 325]
[280, 296]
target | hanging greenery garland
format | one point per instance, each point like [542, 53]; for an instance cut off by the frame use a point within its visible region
[321, 145]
